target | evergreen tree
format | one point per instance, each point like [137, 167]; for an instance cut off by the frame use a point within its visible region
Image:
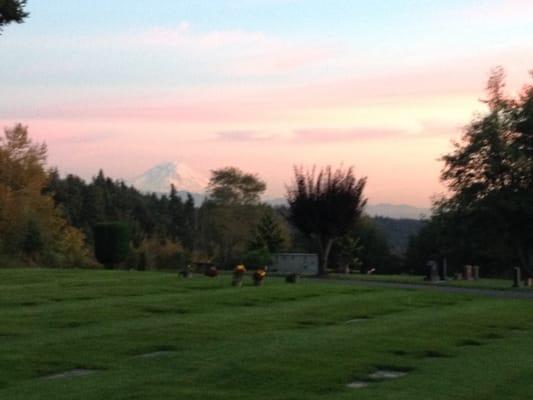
[268, 233]
[188, 236]
[176, 214]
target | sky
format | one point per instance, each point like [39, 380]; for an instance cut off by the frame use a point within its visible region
[263, 85]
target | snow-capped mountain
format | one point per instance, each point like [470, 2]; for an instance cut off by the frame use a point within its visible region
[159, 178]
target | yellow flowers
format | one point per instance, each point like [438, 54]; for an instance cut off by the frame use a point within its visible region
[239, 269]
[238, 273]
[260, 274]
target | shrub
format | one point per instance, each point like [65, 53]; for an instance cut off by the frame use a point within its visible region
[160, 254]
[258, 258]
[111, 243]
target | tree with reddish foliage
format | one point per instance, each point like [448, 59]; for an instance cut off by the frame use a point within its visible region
[326, 206]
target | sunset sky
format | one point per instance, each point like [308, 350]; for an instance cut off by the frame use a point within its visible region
[260, 84]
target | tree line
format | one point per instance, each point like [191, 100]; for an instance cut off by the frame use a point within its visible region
[46, 219]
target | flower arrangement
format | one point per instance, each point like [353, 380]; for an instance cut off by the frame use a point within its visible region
[239, 270]
[238, 274]
[211, 272]
[259, 276]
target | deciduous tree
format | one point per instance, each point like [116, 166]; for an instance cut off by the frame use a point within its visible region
[489, 212]
[231, 186]
[12, 11]
[30, 224]
[326, 205]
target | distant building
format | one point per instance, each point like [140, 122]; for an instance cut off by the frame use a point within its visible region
[295, 263]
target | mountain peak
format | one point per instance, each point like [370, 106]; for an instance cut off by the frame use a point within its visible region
[159, 178]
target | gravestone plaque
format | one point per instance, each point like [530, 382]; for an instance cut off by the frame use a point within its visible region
[433, 271]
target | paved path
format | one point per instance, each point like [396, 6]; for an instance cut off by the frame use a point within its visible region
[504, 294]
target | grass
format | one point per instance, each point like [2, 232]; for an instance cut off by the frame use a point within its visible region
[279, 341]
[483, 283]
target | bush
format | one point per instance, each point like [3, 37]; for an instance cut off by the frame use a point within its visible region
[258, 258]
[111, 243]
[159, 254]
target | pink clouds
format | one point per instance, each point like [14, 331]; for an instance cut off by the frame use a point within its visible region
[126, 148]
[257, 103]
[242, 136]
[428, 129]
[387, 123]
[315, 135]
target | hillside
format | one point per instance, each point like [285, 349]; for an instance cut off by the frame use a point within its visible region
[398, 231]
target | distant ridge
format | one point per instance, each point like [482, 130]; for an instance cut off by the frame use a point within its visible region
[397, 211]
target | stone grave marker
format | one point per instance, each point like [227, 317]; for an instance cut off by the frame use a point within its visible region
[435, 277]
[432, 271]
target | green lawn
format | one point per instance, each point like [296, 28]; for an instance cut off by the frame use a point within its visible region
[279, 341]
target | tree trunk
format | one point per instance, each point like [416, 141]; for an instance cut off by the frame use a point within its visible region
[325, 248]
[527, 262]
[524, 254]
